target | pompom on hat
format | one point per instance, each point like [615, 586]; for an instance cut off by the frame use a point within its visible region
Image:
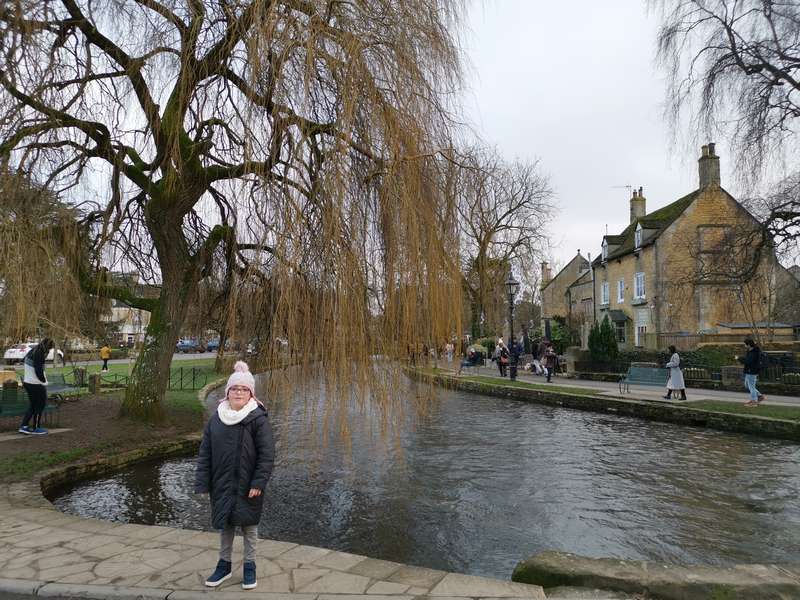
[241, 376]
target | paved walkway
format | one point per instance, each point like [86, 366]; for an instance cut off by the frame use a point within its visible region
[637, 392]
[49, 553]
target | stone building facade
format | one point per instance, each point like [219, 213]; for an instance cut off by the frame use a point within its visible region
[567, 295]
[670, 271]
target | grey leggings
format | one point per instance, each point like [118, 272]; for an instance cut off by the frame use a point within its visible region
[250, 533]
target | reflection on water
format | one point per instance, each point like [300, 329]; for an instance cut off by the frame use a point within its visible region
[481, 483]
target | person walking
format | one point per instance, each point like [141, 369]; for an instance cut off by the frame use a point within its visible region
[105, 354]
[550, 360]
[502, 361]
[675, 382]
[752, 368]
[235, 462]
[448, 350]
[35, 383]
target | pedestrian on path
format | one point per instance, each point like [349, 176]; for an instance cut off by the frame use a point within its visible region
[236, 458]
[35, 383]
[675, 382]
[502, 360]
[550, 360]
[105, 354]
[752, 368]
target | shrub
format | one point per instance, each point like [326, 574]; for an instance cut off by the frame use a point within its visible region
[488, 343]
[791, 378]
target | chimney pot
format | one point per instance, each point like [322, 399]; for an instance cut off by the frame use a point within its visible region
[638, 205]
[708, 167]
[704, 149]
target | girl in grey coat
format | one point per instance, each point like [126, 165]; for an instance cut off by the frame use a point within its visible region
[675, 382]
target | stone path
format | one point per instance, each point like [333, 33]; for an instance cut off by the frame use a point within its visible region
[608, 388]
[49, 553]
[15, 435]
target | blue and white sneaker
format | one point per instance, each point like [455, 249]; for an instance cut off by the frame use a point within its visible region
[220, 574]
[25, 429]
[39, 431]
[249, 576]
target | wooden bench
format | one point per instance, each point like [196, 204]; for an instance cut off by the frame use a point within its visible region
[643, 376]
[14, 403]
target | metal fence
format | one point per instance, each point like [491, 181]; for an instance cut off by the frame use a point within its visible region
[187, 378]
[787, 374]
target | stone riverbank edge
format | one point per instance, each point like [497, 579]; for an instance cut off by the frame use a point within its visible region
[643, 409]
[46, 553]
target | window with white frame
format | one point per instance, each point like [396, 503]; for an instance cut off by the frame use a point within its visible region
[605, 250]
[620, 329]
[621, 291]
[604, 293]
[637, 236]
[638, 286]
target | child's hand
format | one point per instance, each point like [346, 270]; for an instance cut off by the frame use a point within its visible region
[254, 493]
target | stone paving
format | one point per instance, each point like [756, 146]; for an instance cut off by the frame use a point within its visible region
[49, 553]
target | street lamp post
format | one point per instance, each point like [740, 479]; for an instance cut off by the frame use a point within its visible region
[512, 287]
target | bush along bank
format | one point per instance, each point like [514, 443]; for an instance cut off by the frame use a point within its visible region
[643, 409]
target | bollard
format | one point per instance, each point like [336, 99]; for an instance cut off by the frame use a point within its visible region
[94, 383]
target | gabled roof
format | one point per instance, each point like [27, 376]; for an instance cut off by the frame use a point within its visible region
[565, 267]
[586, 277]
[657, 220]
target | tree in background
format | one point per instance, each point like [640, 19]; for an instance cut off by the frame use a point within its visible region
[603, 342]
[293, 140]
[734, 68]
[503, 209]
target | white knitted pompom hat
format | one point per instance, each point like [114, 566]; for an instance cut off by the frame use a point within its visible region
[241, 376]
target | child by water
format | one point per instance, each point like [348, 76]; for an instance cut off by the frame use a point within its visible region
[236, 459]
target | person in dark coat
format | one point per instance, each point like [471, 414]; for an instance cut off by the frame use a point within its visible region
[235, 463]
[752, 368]
[35, 383]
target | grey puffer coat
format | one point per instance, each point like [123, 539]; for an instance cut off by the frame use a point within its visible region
[233, 459]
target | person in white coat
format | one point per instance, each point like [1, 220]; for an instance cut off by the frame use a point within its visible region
[675, 382]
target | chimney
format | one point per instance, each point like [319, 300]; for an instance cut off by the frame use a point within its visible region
[708, 165]
[638, 205]
[545, 273]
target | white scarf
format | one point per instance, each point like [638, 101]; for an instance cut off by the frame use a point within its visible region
[231, 417]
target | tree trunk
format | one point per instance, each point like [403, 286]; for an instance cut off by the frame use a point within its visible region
[144, 397]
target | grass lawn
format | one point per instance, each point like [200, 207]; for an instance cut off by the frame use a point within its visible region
[25, 465]
[788, 413]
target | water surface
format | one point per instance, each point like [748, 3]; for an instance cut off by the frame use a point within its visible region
[481, 483]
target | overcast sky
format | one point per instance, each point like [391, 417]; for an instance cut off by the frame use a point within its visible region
[575, 85]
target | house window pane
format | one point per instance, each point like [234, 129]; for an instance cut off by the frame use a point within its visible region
[637, 238]
[621, 291]
[638, 287]
[604, 293]
[620, 332]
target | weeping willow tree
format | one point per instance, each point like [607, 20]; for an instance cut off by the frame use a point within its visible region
[298, 143]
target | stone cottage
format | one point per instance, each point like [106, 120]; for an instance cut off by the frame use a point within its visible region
[676, 273]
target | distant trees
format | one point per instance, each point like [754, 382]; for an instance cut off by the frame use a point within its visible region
[503, 209]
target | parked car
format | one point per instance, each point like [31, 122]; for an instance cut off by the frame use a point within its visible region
[17, 352]
[212, 345]
[187, 346]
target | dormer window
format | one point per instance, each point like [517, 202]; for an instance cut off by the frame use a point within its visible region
[605, 250]
[637, 236]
